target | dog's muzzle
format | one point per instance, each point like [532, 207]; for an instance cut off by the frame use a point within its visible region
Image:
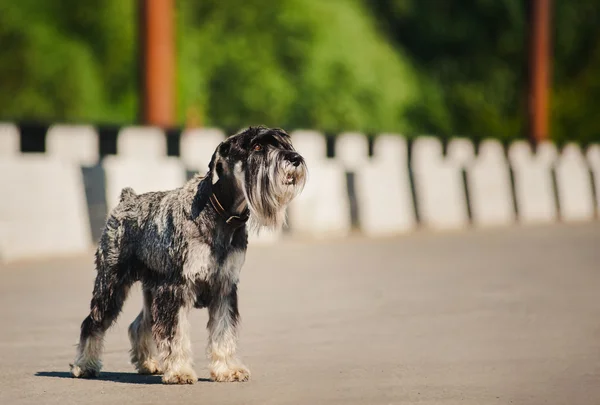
[294, 169]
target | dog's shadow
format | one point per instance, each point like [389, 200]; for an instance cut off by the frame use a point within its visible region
[124, 378]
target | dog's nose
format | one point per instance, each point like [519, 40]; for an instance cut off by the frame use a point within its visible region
[295, 159]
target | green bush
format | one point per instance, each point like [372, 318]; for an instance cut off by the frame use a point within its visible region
[442, 67]
[296, 63]
[67, 60]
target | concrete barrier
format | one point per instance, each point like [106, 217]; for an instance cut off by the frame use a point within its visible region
[48, 213]
[311, 145]
[489, 185]
[44, 212]
[264, 237]
[461, 152]
[197, 147]
[323, 208]
[533, 182]
[352, 153]
[142, 175]
[352, 150]
[438, 185]
[141, 142]
[9, 140]
[73, 143]
[383, 189]
[593, 158]
[573, 181]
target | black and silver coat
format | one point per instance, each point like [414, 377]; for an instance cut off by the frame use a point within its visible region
[187, 246]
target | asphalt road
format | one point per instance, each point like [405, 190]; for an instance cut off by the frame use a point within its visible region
[506, 316]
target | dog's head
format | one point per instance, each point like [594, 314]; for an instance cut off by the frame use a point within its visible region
[262, 165]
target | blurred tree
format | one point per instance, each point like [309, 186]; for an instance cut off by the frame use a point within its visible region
[293, 63]
[576, 87]
[67, 60]
[421, 66]
[477, 53]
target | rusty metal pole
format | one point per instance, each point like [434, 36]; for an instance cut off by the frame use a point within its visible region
[540, 71]
[157, 40]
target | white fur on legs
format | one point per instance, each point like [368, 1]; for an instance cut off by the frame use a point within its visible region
[87, 362]
[227, 368]
[176, 354]
[221, 350]
[143, 349]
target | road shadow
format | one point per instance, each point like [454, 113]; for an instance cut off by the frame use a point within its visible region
[124, 378]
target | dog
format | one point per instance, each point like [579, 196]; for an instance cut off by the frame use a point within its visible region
[187, 247]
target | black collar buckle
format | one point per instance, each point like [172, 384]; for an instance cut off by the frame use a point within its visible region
[235, 221]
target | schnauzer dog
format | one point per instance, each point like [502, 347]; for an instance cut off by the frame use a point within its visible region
[186, 247]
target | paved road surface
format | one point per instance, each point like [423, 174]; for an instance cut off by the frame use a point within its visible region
[497, 317]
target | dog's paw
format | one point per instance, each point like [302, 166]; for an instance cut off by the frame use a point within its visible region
[84, 371]
[230, 374]
[184, 376]
[150, 366]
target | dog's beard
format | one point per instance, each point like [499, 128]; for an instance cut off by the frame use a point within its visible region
[271, 183]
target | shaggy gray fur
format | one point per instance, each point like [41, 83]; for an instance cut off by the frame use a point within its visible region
[186, 246]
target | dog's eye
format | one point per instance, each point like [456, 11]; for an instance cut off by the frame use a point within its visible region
[257, 148]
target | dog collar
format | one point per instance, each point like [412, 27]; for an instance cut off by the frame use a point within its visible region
[234, 220]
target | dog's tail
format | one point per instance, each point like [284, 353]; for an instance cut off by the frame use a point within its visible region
[126, 194]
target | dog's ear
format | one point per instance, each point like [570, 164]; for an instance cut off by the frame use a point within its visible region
[203, 193]
[211, 164]
[215, 167]
[224, 149]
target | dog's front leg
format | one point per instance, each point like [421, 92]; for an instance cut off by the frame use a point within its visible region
[170, 328]
[222, 345]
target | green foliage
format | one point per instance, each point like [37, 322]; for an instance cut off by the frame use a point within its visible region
[477, 53]
[67, 60]
[474, 51]
[445, 67]
[293, 63]
[576, 89]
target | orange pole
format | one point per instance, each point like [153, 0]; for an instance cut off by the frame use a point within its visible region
[540, 70]
[158, 47]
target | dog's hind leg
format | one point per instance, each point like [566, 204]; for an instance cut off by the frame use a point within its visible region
[170, 329]
[110, 290]
[143, 347]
